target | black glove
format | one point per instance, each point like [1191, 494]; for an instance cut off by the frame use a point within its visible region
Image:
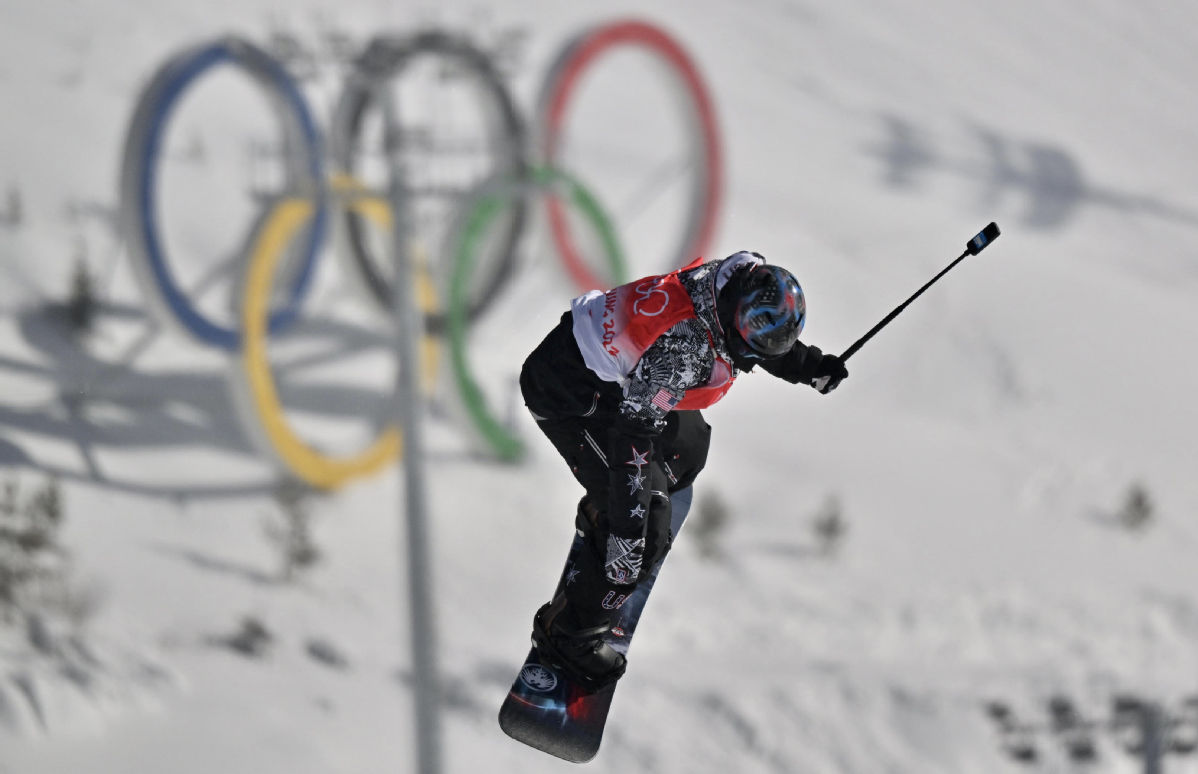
[805, 364]
[827, 373]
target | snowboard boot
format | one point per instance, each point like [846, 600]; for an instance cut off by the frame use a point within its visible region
[579, 652]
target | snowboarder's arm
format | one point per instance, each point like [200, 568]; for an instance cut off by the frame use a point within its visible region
[805, 364]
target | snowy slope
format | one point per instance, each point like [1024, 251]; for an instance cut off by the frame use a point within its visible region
[978, 450]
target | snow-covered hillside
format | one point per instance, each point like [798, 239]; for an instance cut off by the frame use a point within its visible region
[980, 452]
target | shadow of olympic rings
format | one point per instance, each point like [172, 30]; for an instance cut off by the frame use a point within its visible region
[99, 405]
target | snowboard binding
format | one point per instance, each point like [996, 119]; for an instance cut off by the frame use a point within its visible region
[580, 653]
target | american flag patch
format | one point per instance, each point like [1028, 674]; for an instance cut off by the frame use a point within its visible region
[665, 400]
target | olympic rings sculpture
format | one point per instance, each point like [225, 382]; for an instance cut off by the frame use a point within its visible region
[322, 193]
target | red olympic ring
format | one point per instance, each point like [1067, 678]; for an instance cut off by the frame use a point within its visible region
[577, 56]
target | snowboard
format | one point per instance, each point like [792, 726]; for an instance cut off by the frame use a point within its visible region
[547, 710]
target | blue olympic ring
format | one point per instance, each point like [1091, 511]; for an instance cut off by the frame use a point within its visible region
[159, 100]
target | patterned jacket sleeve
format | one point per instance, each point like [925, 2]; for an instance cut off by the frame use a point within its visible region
[680, 359]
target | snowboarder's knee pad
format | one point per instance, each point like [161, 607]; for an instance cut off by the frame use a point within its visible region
[657, 533]
[591, 523]
[589, 515]
[684, 445]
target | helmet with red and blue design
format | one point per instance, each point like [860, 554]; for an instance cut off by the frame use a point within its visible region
[769, 312]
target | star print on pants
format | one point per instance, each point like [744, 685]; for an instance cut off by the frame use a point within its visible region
[639, 459]
[638, 512]
[635, 482]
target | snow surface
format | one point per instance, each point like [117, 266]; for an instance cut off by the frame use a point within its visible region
[979, 450]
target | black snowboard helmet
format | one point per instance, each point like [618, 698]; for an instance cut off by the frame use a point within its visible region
[767, 310]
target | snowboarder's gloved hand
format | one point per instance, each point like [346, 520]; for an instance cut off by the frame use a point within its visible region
[827, 372]
[806, 364]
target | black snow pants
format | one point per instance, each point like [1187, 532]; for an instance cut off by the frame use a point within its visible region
[575, 409]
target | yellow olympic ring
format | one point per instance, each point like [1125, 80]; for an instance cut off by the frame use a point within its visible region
[316, 468]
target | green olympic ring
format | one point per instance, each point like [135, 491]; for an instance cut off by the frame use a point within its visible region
[480, 210]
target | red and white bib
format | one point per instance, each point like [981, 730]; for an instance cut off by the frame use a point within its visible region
[614, 329]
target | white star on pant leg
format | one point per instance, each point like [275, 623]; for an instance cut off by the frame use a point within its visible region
[635, 480]
[638, 512]
[639, 459]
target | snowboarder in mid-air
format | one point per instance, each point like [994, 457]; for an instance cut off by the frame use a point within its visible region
[617, 386]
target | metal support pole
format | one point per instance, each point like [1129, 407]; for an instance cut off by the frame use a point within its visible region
[426, 685]
[1152, 719]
